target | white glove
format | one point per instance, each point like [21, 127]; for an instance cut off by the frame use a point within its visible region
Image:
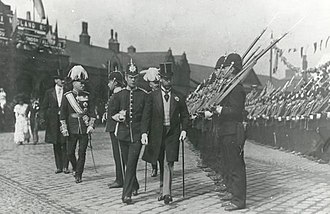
[183, 135]
[104, 117]
[144, 139]
[65, 133]
[118, 117]
[90, 129]
[208, 114]
[219, 109]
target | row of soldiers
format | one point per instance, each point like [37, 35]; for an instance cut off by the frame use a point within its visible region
[308, 100]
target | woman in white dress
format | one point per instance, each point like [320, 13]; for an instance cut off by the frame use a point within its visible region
[21, 125]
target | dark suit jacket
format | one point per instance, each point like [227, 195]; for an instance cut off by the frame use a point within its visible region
[50, 113]
[137, 124]
[111, 124]
[179, 120]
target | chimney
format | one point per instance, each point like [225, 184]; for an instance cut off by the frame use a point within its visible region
[131, 49]
[28, 15]
[84, 38]
[113, 42]
[304, 63]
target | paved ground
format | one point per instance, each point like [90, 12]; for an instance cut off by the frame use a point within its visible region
[278, 182]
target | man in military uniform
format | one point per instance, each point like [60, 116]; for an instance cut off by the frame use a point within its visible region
[130, 109]
[77, 119]
[168, 126]
[231, 135]
[116, 84]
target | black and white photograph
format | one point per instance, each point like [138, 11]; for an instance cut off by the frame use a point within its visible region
[153, 106]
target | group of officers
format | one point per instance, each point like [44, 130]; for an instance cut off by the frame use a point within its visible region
[156, 117]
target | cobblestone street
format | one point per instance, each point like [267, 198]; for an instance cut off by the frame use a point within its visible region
[278, 182]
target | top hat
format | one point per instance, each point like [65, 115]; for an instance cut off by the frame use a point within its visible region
[58, 75]
[220, 62]
[78, 73]
[166, 70]
[132, 69]
[235, 60]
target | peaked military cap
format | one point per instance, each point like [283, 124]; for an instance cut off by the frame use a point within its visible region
[132, 69]
[166, 70]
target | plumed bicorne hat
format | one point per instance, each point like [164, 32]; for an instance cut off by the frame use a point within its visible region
[78, 73]
[151, 75]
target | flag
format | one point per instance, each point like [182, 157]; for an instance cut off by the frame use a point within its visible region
[326, 42]
[315, 46]
[301, 51]
[38, 5]
[48, 32]
[321, 44]
[14, 23]
[56, 34]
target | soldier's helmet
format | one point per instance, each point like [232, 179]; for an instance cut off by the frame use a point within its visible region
[166, 70]
[132, 69]
[151, 75]
[236, 60]
[78, 73]
[116, 76]
[220, 62]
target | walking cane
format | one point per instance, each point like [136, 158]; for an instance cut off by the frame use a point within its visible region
[145, 177]
[90, 146]
[182, 167]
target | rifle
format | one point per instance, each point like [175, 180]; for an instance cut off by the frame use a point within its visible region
[238, 78]
[253, 43]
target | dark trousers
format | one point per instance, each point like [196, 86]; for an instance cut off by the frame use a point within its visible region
[60, 153]
[116, 156]
[130, 153]
[77, 165]
[166, 167]
[234, 169]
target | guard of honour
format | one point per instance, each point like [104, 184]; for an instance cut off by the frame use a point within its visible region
[155, 117]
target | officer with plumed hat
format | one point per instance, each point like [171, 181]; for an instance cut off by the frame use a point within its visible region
[168, 126]
[77, 119]
[130, 110]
